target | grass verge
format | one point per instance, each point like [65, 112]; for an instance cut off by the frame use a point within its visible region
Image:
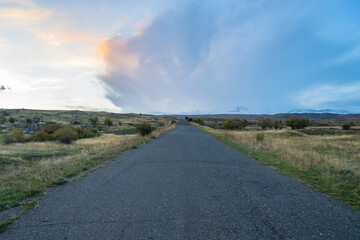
[343, 185]
[21, 178]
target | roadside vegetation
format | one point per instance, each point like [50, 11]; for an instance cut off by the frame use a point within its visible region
[30, 163]
[326, 157]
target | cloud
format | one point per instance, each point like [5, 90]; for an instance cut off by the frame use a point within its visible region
[346, 95]
[148, 69]
[20, 15]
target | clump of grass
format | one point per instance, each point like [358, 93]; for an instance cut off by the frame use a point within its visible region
[260, 137]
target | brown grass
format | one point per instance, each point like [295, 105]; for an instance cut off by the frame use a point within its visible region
[21, 178]
[305, 151]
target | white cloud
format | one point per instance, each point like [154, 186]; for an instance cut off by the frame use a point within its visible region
[323, 96]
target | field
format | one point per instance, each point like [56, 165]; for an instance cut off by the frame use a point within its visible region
[28, 169]
[326, 157]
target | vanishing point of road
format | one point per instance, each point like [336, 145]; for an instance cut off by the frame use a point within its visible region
[186, 185]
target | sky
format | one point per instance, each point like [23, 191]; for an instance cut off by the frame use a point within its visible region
[259, 56]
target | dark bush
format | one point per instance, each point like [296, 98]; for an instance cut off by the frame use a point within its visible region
[11, 120]
[66, 135]
[186, 118]
[50, 122]
[28, 121]
[346, 126]
[119, 123]
[264, 123]
[173, 121]
[199, 121]
[297, 123]
[277, 124]
[190, 119]
[144, 129]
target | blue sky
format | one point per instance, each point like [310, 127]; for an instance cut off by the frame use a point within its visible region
[178, 56]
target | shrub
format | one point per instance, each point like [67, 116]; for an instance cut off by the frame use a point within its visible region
[173, 121]
[93, 121]
[346, 126]
[8, 139]
[297, 123]
[99, 127]
[43, 136]
[51, 129]
[119, 123]
[235, 124]
[76, 122]
[144, 129]
[108, 122]
[199, 121]
[87, 133]
[28, 121]
[18, 135]
[277, 124]
[11, 120]
[260, 137]
[190, 119]
[186, 117]
[264, 123]
[66, 135]
[50, 122]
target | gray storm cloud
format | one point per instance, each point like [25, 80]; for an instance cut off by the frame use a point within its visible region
[150, 71]
[214, 56]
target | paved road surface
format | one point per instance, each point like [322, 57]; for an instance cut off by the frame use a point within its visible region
[186, 185]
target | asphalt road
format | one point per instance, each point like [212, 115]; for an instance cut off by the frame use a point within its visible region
[186, 185]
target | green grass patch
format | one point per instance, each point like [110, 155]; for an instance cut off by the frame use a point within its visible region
[342, 185]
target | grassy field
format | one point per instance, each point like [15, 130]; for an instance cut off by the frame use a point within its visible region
[28, 169]
[66, 117]
[328, 158]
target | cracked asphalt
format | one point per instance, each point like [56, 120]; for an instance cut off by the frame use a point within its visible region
[186, 185]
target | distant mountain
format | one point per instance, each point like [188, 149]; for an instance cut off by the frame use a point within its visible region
[336, 111]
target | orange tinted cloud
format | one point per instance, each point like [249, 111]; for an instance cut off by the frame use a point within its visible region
[24, 14]
[117, 55]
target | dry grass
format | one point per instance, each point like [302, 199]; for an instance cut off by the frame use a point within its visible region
[27, 169]
[305, 151]
[330, 162]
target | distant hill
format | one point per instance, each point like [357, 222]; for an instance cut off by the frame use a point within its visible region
[336, 111]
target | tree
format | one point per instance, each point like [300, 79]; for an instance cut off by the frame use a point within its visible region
[119, 123]
[297, 123]
[108, 122]
[11, 120]
[93, 121]
[264, 123]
